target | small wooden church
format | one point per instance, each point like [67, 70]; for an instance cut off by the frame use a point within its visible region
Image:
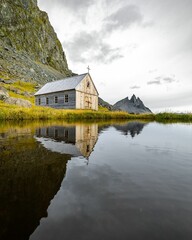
[77, 92]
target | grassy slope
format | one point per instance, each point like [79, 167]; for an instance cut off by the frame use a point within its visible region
[19, 90]
[8, 112]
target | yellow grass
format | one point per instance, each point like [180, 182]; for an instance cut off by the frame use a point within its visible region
[15, 95]
[12, 112]
[8, 112]
[103, 109]
[24, 86]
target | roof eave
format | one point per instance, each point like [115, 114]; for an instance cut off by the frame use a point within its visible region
[36, 94]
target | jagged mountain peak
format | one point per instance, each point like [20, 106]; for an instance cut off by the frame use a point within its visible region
[133, 98]
[134, 105]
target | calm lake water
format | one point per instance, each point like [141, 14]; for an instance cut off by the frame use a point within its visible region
[115, 181]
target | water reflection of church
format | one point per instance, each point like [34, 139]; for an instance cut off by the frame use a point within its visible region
[30, 176]
[76, 140]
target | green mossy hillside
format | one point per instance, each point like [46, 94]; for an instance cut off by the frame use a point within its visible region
[25, 28]
[29, 47]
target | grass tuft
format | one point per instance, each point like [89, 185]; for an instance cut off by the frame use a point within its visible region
[12, 112]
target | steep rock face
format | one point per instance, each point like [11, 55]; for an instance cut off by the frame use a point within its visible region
[102, 103]
[27, 36]
[134, 105]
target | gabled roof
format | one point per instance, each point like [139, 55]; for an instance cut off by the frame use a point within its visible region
[61, 85]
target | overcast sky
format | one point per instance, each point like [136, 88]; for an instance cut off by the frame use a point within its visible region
[132, 46]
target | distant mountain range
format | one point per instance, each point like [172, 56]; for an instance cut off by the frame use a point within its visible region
[134, 105]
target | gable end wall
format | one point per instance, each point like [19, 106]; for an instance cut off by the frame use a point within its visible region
[86, 97]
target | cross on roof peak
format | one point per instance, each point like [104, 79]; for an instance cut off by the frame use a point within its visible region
[88, 68]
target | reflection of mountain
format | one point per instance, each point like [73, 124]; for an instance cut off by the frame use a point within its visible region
[132, 128]
[76, 140]
[30, 176]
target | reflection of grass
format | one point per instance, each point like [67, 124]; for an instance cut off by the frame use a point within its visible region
[8, 112]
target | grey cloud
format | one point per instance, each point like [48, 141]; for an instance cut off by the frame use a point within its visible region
[75, 4]
[168, 79]
[157, 82]
[71, 4]
[160, 80]
[90, 47]
[123, 18]
[107, 54]
[135, 87]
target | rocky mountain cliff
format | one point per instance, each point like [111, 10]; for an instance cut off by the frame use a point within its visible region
[29, 47]
[104, 104]
[134, 105]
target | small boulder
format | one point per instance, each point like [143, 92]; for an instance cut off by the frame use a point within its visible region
[18, 101]
[27, 94]
[7, 49]
[9, 81]
[3, 93]
[32, 70]
[15, 90]
[6, 81]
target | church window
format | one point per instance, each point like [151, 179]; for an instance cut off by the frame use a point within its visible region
[66, 98]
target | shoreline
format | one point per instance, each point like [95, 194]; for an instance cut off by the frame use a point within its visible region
[15, 113]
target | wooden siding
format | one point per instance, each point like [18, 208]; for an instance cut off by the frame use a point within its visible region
[82, 86]
[86, 95]
[61, 104]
